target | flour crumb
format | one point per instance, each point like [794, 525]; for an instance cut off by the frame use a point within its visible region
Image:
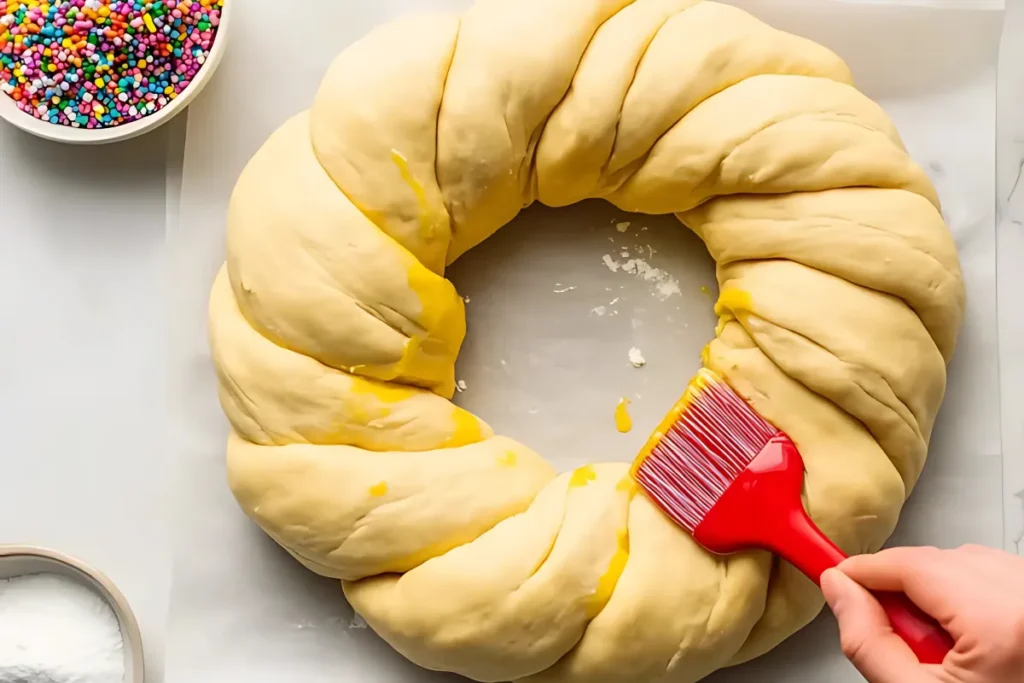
[623, 226]
[461, 386]
[563, 290]
[664, 284]
[357, 622]
[636, 358]
[613, 301]
[667, 288]
[465, 299]
[624, 253]
[599, 310]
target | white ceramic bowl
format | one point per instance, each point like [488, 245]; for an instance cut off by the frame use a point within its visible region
[84, 136]
[18, 560]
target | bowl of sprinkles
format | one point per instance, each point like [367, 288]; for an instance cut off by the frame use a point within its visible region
[93, 71]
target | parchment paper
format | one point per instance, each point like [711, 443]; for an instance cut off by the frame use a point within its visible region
[552, 321]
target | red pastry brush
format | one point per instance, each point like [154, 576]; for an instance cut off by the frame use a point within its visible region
[730, 478]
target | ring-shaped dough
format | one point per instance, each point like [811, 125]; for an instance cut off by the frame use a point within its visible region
[335, 334]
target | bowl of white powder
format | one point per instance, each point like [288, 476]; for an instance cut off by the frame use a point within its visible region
[62, 621]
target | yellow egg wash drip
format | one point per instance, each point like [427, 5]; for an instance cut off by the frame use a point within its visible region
[623, 422]
[627, 485]
[379, 489]
[418, 367]
[382, 391]
[582, 476]
[465, 430]
[732, 300]
[705, 354]
[606, 584]
[428, 218]
[443, 312]
[367, 400]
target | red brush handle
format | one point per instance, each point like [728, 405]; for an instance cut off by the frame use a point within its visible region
[762, 509]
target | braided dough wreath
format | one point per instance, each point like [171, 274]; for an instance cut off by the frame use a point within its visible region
[335, 333]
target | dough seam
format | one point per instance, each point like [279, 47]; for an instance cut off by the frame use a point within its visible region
[603, 177]
[912, 426]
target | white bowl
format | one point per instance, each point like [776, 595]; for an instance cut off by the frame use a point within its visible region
[85, 136]
[19, 560]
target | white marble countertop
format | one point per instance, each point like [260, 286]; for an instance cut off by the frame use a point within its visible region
[83, 359]
[1010, 256]
[83, 354]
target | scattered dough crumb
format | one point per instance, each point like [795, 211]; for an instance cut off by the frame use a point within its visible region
[667, 289]
[357, 622]
[613, 301]
[624, 253]
[466, 299]
[461, 385]
[599, 310]
[623, 226]
[563, 290]
[665, 284]
[636, 358]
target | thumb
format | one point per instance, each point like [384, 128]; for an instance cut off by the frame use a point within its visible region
[866, 636]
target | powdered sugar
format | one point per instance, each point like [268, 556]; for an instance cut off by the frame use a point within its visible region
[56, 630]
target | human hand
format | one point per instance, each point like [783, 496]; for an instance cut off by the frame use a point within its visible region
[976, 593]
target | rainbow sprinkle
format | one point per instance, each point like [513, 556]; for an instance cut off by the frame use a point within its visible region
[102, 63]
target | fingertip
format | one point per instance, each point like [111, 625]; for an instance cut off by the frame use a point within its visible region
[831, 587]
[891, 568]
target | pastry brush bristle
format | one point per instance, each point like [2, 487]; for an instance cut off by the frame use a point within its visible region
[692, 461]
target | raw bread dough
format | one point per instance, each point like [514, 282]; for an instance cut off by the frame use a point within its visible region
[335, 334]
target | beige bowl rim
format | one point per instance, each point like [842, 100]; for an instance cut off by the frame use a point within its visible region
[129, 624]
